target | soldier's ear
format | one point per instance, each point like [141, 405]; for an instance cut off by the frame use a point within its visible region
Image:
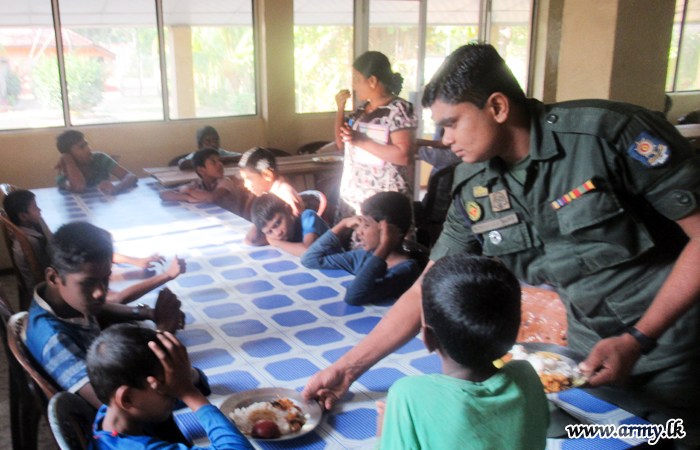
[498, 105]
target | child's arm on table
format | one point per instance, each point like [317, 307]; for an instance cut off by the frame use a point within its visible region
[67, 166]
[294, 248]
[178, 383]
[126, 180]
[255, 237]
[178, 195]
[128, 295]
[147, 262]
[327, 251]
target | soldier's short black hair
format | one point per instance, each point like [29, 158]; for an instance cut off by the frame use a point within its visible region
[265, 207]
[472, 303]
[258, 159]
[206, 131]
[17, 202]
[120, 356]
[200, 158]
[66, 140]
[393, 207]
[76, 244]
[471, 74]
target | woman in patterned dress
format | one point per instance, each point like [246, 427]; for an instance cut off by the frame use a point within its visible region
[378, 138]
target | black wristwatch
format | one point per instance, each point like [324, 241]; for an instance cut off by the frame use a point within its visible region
[645, 342]
[136, 312]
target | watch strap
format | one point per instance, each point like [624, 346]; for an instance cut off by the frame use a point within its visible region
[645, 342]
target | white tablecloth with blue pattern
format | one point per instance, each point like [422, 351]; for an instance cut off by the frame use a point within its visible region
[257, 318]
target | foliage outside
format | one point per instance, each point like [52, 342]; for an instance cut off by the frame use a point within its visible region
[86, 82]
[14, 88]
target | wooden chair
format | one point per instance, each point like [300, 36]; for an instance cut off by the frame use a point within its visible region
[314, 200]
[9, 230]
[45, 386]
[24, 409]
[71, 418]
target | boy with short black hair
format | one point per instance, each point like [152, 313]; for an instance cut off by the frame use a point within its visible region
[62, 320]
[284, 229]
[208, 137]
[212, 186]
[139, 375]
[259, 172]
[80, 168]
[470, 318]
[383, 269]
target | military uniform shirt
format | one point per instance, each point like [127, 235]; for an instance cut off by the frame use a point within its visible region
[609, 250]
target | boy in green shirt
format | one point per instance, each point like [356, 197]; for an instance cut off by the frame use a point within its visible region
[470, 317]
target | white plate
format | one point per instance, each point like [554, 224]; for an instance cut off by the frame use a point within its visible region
[309, 408]
[327, 159]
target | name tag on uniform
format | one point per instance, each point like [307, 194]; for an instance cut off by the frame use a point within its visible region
[494, 224]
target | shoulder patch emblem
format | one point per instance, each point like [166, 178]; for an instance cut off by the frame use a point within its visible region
[474, 211]
[650, 150]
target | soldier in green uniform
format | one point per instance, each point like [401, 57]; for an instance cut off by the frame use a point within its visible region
[597, 198]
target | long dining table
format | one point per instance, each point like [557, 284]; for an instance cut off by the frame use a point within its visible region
[255, 317]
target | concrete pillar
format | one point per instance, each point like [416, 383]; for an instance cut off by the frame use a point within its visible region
[615, 49]
[182, 70]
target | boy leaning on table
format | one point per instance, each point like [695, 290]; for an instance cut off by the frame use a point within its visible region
[140, 374]
[470, 316]
[63, 316]
[80, 168]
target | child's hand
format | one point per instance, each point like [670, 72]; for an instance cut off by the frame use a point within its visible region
[61, 166]
[389, 234]
[106, 187]
[176, 367]
[352, 222]
[341, 97]
[150, 262]
[167, 314]
[381, 407]
[177, 266]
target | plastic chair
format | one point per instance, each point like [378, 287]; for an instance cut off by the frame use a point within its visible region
[9, 230]
[24, 409]
[42, 380]
[311, 147]
[71, 418]
[314, 200]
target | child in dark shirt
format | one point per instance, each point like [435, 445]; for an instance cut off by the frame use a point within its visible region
[139, 374]
[282, 228]
[382, 268]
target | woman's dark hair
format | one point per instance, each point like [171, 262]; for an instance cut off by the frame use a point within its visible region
[393, 207]
[472, 304]
[66, 140]
[17, 202]
[206, 131]
[120, 356]
[471, 74]
[265, 207]
[76, 244]
[258, 159]
[376, 64]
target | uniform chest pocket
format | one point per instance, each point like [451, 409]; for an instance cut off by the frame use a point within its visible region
[601, 232]
[512, 239]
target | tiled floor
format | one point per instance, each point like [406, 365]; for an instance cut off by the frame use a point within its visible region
[46, 441]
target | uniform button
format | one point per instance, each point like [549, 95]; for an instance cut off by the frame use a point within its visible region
[495, 237]
[683, 199]
[552, 118]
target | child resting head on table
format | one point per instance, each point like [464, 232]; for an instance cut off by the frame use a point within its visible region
[282, 228]
[139, 374]
[470, 317]
[23, 211]
[382, 268]
[212, 186]
[63, 316]
[259, 173]
[80, 168]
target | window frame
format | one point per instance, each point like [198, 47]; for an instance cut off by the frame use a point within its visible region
[674, 86]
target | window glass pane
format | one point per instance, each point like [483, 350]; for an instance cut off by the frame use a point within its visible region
[393, 30]
[323, 50]
[450, 25]
[210, 58]
[30, 90]
[673, 50]
[689, 55]
[112, 65]
[510, 34]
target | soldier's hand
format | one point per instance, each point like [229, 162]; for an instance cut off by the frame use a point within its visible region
[611, 360]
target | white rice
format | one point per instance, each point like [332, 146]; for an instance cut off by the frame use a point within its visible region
[241, 417]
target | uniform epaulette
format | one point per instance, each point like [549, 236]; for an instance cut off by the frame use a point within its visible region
[596, 117]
